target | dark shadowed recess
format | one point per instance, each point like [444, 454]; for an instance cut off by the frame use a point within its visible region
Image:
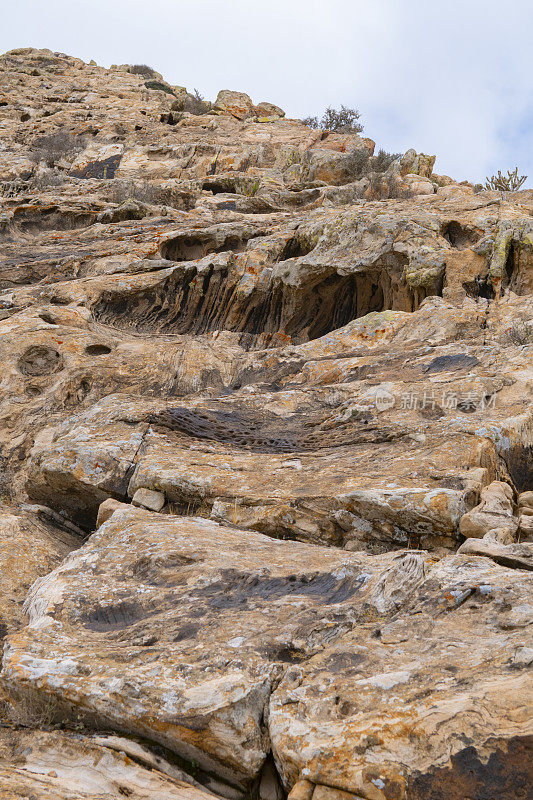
[103, 169]
[236, 590]
[32, 220]
[459, 236]
[191, 245]
[514, 278]
[519, 460]
[188, 302]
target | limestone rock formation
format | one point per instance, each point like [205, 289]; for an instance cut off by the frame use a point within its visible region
[237, 645]
[56, 766]
[495, 512]
[266, 447]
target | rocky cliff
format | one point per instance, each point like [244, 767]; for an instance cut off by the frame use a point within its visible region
[266, 455]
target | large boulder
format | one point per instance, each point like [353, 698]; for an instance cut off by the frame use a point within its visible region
[495, 512]
[417, 164]
[237, 104]
[431, 701]
[519, 556]
[226, 646]
[265, 109]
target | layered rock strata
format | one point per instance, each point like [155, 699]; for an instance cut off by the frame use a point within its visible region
[266, 454]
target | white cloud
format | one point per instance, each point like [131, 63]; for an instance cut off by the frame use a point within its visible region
[450, 78]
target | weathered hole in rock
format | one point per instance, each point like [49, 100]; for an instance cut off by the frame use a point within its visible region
[116, 617]
[162, 570]
[480, 287]
[458, 235]
[263, 433]
[48, 318]
[192, 245]
[458, 361]
[97, 349]
[77, 392]
[295, 247]
[35, 221]
[33, 391]
[244, 430]
[296, 198]
[237, 589]
[196, 303]
[220, 185]
[40, 360]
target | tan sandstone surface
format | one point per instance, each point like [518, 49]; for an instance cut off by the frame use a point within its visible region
[266, 438]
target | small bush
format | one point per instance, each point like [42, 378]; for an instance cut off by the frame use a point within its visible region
[143, 69]
[160, 87]
[192, 103]
[201, 105]
[520, 333]
[357, 163]
[386, 187]
[506, 183]
[32, 710]
[383, 161]
[55, 146]
[343, 120]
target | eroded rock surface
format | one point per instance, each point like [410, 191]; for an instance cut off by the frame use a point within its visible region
[31, 545]
[317, 368]
[237, 644]
[56, 766]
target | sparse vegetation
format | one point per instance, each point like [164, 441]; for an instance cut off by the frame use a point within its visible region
[201, 105]
[343, 120]
[358, 163]
[191, 103]
[521, 333]
[33, 710]
[55, 146]
[143, 69]
[158, 86]
[383, 160]
[383, 186]
[506, 183]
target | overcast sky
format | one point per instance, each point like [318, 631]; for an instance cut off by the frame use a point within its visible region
[450, 77]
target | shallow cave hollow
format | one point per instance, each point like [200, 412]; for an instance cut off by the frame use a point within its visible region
[197, 303]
